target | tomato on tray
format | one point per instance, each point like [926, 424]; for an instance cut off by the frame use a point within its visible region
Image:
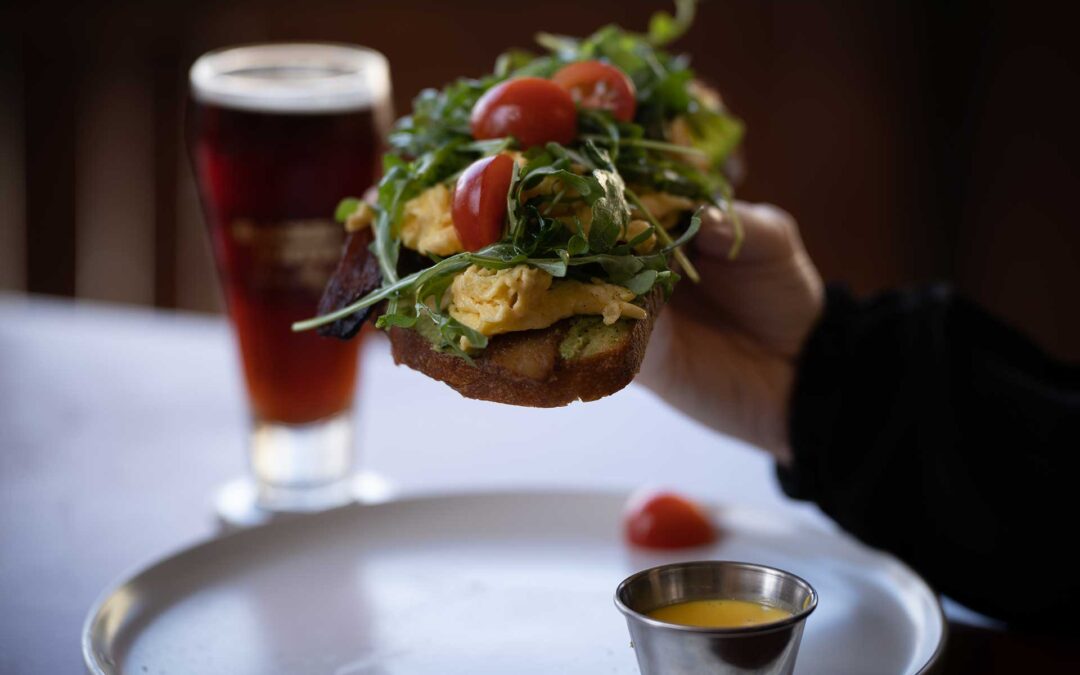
[599, 86]
[479, 205]
[531, 109]
[667, 520]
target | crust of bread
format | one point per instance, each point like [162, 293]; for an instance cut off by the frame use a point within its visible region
[529, 368]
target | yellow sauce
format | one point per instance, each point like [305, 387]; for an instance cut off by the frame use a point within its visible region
[719, 613]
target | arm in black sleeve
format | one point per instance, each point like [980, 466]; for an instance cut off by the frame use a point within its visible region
[929, 429]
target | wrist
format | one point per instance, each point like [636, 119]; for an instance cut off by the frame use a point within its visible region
[772, 427]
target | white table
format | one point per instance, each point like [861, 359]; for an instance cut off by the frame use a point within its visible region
[117, 424]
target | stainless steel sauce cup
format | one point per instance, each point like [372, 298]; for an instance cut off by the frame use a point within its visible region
[671, 649]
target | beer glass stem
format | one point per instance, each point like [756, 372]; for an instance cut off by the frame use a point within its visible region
[303, 467]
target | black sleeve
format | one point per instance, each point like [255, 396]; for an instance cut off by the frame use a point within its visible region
[927, 428]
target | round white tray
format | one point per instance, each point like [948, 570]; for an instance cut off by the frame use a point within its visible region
[475, 584]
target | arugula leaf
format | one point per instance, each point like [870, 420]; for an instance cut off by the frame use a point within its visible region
[577, 245]
[393, 191]
[670, 90]
[453, 330]
[621, 269]
[716, 133]
[487, 148]
[642, 282]
[610, 212]
[556, 268]
[563, 46]
[345, 208]
[665, 29]
[398, 319]
[585, 186]
[602, 122]
[438, 117]
[511, 61]
[641, 238]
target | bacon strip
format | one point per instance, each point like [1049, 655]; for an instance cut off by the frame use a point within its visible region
[357, 274]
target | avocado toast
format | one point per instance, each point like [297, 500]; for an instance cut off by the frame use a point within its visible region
[529, 224]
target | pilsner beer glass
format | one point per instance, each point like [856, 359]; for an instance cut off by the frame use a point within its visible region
[277, 135]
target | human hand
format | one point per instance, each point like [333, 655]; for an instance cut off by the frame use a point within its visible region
[724, 351]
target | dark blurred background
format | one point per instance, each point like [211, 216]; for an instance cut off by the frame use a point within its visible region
[913, 141]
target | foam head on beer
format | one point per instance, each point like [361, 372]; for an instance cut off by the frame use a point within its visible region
[292, 78]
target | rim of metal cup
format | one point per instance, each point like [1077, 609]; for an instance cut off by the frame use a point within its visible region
[795, 618]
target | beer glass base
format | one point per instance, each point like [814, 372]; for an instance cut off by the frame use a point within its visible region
[297, 468]
[302, 467]
[236, 503]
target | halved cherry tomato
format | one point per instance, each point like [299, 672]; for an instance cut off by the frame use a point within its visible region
[667, 520]
[531, 109]
[479, 206]
[599, 86]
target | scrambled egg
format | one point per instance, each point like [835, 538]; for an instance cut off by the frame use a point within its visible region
[666, 208]
[525, 298]
[636, 227]
[679, 133]
[361, 218]
[427, 223]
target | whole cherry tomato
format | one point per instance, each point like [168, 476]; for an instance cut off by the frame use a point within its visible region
[531, 109]
[599, 86]
[667, 520]
[479, 206]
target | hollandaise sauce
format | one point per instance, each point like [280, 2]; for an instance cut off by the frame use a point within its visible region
[719, 613]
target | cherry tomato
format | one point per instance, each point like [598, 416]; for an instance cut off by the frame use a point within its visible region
[531, 109]
[479, 207]
[599, 86]
[667, 520]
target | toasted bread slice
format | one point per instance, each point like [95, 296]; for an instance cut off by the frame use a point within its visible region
[575, 359]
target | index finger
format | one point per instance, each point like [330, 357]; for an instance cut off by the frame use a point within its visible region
[768, 232]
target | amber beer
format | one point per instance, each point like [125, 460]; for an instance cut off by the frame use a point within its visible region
[278, 134]
[269, 184]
